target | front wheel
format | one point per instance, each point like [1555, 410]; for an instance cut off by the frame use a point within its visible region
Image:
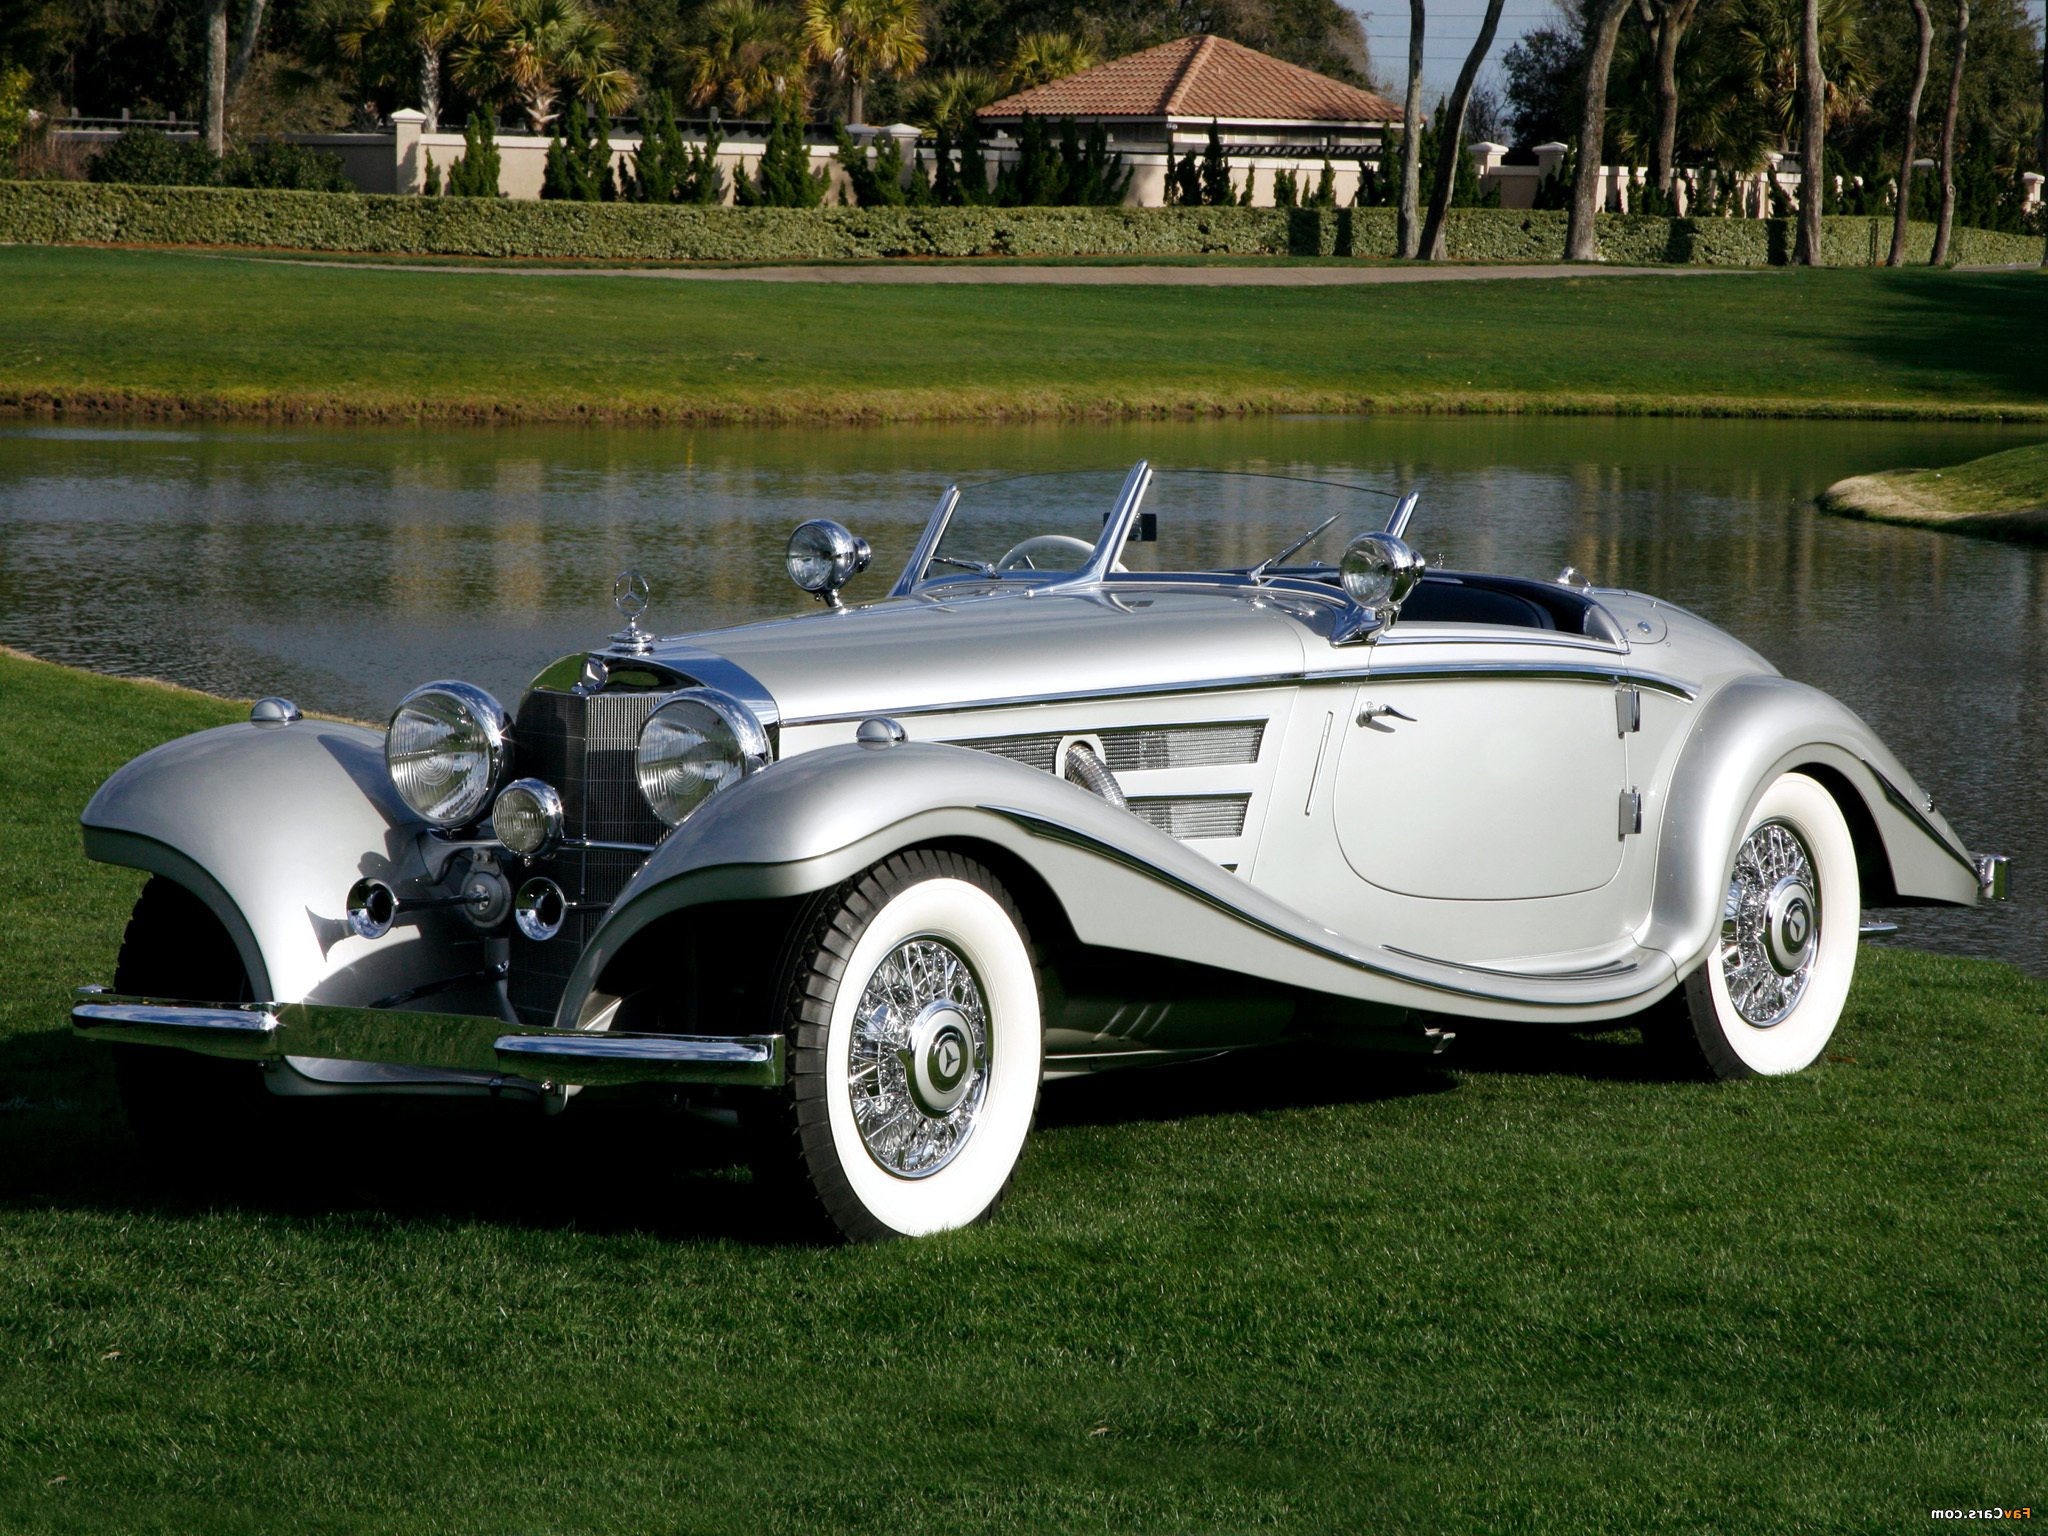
[916, 1046]
[1768, 996]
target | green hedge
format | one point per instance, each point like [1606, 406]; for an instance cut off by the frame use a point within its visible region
[69, 213]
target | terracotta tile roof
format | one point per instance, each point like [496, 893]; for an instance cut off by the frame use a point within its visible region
[1200, 77]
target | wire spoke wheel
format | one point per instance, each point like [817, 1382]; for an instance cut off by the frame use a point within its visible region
[1767, 995]
[916, 1046]
[918, 1061]
[1770, 925]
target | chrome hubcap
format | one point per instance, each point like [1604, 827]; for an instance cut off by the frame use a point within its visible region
[918, 1068]
[1770, 925]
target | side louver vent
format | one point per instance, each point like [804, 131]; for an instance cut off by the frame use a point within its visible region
[1194, 816]
[1142, 749]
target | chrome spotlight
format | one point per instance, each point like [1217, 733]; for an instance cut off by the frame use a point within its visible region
[1378, 572]
[823, 557]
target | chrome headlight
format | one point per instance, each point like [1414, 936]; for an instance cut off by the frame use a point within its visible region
[447, 750]
[695, 745]
[528, 817]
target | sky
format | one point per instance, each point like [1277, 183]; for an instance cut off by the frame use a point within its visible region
[1452, 24]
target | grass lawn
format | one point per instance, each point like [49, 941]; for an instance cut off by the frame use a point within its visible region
[121, 331]
[2000, 496]
[1522, 1288]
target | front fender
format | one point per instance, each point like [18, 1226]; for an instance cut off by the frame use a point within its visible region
[269, 825]
[1744, 737]
[808, 823]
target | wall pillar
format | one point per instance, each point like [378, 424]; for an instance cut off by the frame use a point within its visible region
[409, 166]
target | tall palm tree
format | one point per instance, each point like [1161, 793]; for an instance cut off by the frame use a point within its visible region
[424, 28]
[1767, 40]
[1042, 57]
[747, 55]
[860, 39]
[543, 51]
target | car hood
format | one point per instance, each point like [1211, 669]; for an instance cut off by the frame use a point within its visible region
[937, 650]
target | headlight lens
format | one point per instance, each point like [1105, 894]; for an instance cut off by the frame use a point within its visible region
[695, 745]
[446, 750]
[528, 817]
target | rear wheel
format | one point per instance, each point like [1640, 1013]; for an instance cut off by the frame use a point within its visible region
[1769, 994]
[915, 1047]
[180, 1104]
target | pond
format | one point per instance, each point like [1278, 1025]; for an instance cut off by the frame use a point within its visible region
[343, 567]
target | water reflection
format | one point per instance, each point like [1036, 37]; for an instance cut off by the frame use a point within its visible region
[342, 567]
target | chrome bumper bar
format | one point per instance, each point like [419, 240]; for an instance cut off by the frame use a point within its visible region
[454, 1042]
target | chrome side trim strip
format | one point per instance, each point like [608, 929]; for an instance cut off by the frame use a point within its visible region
[1590, 973]
[1456, 671]
[1898, 797]
[1040, 826]
[580, 1056]
[1534, 671]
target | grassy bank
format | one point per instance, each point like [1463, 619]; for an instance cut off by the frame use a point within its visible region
[94, 332]
[1521, 1288]
[2000, 496]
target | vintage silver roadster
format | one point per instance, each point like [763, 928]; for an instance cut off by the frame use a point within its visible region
[867, 876]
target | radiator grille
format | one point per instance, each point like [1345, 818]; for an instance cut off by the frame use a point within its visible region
[584, 747]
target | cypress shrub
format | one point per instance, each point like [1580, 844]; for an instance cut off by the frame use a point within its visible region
[476, 173]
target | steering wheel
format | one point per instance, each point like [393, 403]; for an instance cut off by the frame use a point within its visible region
[1019, 557]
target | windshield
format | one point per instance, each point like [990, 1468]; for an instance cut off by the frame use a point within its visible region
[1048, 525]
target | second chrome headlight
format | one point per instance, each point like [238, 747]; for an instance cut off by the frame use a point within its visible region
[447, 750]
[695, 745]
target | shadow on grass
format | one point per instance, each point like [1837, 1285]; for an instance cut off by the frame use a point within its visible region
[1987, 330]
[638, 1166]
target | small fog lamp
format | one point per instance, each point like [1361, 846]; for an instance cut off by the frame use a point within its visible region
[528, 817]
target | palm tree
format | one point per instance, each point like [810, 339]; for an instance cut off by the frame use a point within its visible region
[746, 57]
[425, 28]
[544, 50]
[860, 39]
[1042, 57]
[950, 98]
[1767, 41]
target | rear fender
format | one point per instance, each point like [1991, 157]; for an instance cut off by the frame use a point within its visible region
[269, 825]
[1744, 737]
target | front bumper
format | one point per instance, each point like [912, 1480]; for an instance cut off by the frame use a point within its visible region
[445, 1041]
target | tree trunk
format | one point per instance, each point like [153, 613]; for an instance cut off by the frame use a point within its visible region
[430, 88]
[1667, 26]
[1813, 136]
[856, 98]
[1582, 234]
[1897, 258]
[1947, 217]
[214, 116]
[245, 51]
[1451, 135]
[1411, 139]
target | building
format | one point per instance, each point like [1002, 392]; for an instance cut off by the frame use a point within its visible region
[1159, 105]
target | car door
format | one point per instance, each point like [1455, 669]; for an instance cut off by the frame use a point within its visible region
[1493, 771]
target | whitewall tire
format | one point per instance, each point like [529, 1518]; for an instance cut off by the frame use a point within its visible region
[1768, 996]
[916, 1044]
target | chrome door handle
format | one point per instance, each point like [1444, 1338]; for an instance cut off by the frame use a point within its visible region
[1373, 712]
